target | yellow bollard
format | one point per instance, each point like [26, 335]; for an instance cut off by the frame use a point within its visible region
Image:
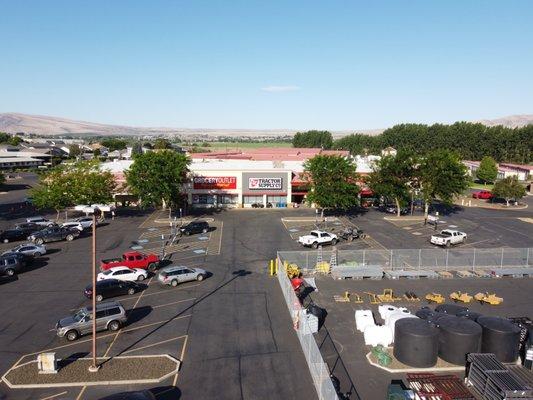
[271, 267]
[285, 266]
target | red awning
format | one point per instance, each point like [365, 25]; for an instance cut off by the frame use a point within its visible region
[299, 193]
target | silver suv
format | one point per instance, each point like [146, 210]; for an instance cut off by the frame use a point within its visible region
[110, 315]
[178, 274]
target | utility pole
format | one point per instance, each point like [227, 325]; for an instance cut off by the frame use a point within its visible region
[94, 366]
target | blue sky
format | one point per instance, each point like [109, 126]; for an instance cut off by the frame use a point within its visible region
[267, 64]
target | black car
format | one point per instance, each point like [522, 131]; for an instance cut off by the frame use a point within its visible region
[54, 234]
[9, 265]
[391, 209]
[111, 288]
[195, 227]
[22, 258]
[20, 232]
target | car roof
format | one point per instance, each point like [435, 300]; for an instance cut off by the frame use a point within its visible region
[103, 305]
[174, 268]
[29, 219]
[118, 268]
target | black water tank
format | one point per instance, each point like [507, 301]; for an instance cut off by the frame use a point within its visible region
[458, 337]
[424, 312]
[472, 315]
[416, 342]
[452, 309]
[501, 337]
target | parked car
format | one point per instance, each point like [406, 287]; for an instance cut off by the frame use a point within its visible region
[132, 259]
[72, 225]
[317, 238]
[30, 227]
[9, 265]
[40, 221]
[23, 259]
[123, 274]
[173, 275]
[29, 249]
[483, 194]
[86, 222]
[111, 288]
[195, 227]
[392, 209]
[110, 315]
[12, 235]
[350, 234]
[54, 234]
[447, 237]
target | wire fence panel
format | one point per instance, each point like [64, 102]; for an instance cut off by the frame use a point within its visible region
[317, 367]
[437, 259]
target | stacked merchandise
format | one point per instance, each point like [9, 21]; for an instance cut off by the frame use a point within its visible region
[438, 387]
[492, 380]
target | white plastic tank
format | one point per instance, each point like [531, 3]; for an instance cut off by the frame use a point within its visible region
[364, 318]
[385, 310]
[378, 334]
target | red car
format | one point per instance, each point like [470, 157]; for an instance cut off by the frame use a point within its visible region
[132, 259]
[482, 194]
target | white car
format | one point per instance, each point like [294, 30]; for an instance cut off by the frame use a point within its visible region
[72, 224]
[447, 237]
[317, 238]
[123, 274]
[86, 222]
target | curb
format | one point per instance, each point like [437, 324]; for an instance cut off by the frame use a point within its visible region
[409, 370]
[95, 383]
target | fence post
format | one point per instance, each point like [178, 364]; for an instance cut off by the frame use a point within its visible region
[501, 261]
[527, 258]
[447, 252]
[364, 257]
[390, 266]
[474, 261]
[307, 260]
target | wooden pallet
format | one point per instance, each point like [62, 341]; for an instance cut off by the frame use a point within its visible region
[465, 274]
[445, 274]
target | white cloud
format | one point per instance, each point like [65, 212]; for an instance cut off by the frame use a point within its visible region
[279, 89]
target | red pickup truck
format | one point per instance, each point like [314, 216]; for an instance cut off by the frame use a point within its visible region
[132, 259]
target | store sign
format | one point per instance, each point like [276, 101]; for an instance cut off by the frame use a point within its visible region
[214, 182]
[265, 183]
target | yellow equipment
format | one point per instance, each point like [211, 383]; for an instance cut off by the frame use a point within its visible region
[345, 298]
[323, 267]
[373, 298]
[411, 296]
[388, 296]
[356, 298]
[293, 271]
[435, 298]
[491, 299]
[461, 297]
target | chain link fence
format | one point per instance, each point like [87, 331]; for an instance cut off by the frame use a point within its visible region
[417, 259]
[317, 367]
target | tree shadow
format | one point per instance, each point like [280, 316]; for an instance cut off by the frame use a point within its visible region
[73, 357]
[166, 393]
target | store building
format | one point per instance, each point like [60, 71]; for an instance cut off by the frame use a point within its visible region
[239, 183]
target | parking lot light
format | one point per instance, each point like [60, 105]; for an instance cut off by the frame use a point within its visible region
[94, 366]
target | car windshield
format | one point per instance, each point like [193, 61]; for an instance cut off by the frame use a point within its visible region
[108, 272]
[445, 233]
[164, 274]
[314, 234]
[17, 248]
[79, 316]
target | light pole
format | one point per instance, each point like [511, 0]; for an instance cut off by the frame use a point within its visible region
[94, 366]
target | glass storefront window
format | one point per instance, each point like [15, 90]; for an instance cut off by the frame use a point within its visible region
[252, 199]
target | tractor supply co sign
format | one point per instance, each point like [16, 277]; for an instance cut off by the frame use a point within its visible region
[265, 183]
[214, 182]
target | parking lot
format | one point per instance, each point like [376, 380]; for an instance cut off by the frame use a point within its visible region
[232, 331]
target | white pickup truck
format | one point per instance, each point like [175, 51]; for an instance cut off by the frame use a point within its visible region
[447, 237]
[317, 238]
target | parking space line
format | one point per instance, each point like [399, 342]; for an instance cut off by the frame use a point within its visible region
[164, 291]
[54, 395]
[155, 344]
[181, 359]
[81, 393]
[174, 302]
[148, 219]
[211, 252]
[120, 330]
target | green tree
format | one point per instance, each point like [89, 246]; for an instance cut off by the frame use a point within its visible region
[441, 175]
[313, 139]
[509, 188]
[488, 170]
[2, 179]
[4, 137]
[15, 140]
[393, 177]
[114, 144]
[136, 148]
[97, 153]
[162, 144]
[332, 181]
[74, 151]
[157, 177]
[67, 185]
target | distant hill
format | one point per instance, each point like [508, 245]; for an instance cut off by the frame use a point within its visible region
[46, 125]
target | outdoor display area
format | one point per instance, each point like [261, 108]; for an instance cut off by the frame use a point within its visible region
[389, 328]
